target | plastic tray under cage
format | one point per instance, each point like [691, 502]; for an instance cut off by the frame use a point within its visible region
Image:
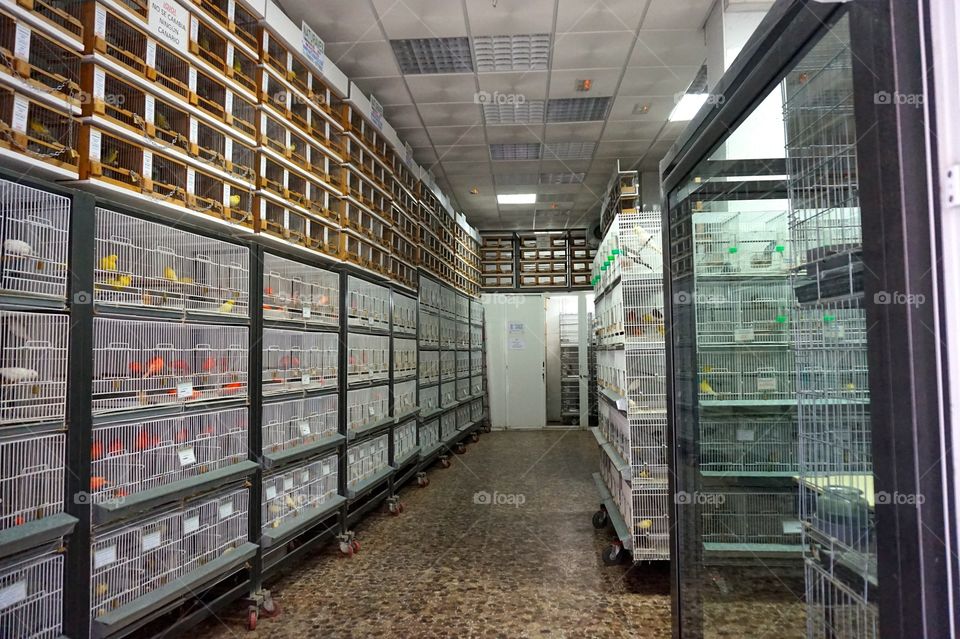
[292, 494]
[146, 264]
[139, 364]
[834, 609]
[299, 422]
[747, 520]
[35, 241]
[33, 366]
[31, 478]
[31, 595]
[129, 458]
[298, 361]
[292, 290]
[137, 558]
[749, 445]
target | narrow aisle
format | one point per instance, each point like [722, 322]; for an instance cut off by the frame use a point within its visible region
[449, 566]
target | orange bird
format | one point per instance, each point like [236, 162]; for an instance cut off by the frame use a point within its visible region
[209, 365]
[136, 368]
[97, 482]
[181, 367]
[233, 387]
[154, 366]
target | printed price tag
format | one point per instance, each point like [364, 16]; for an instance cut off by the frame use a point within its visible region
[226, 510]
[287, 484]
[306, 311]
[743, 334]
[186, 456]
[766, 383]
[305, 379]
[304, 428]
[151, 541]
[271, 492]
[21, 44]
[304, 477]
[184, 390]
[104, 556]
[792, 527]
[191, 525]
[834, 331]
[13, 594]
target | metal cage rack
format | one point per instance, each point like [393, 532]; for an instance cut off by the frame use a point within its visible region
[569, 367]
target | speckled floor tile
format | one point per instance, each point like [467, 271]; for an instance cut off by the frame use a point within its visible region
[450, 567]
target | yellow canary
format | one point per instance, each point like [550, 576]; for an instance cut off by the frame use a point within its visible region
[120, 282]
[290, 502]
[291, 148]
[109, 262]
[237, 66]
[646, 524]
[110, 159]
[234, 201]
[850, 386]
[169, 273]
[186, 280]
[102, 589]
[40, 130]
[226, 307]
[276, 523]
[706, 388]
[161, 121]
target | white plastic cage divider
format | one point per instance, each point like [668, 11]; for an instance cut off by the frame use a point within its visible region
[295, 291]
[34, 241]
[746, 519]
[298, 361]
[476, 384]
[448, 365]
[476, 313]
[33, 366]
[138, 363]
[404, 315]
[367, 357]
[610, 318]
[429, 367]
[448, 393]
[404, 440]
[463, 416]
[404, 358]
[430, 398]
[290, 494]
[463, 363]
[448, 425]
[429, 434]
[737, 312]
[476, 410]
[835, 609]
[462, 334]
[367, 406]
[745, 444]
[611, 370]
[731, 243]
[137, 558]
[366, 459]
[404, 397]
[146, 264]
[748, 373]
[31, 478]
[31, 595]
[129, 458]
[368, 304]
[299, 422]
[429, 330]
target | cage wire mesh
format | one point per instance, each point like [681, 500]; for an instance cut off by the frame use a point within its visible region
[404, 441]
[295, 291]
[367, 357]
[404, 397]
[33, 366]
[299, 422]
[430, 435]
[34, 236]
[367, 406]
[31, 478]
[31, 592]
[291, 495]
[569, 365]
[368, 304]
[366, 459]
[298, 361]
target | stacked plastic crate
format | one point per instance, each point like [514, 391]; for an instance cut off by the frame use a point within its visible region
[299, 414]
[169, 447]
[34, 367]
[428, 377]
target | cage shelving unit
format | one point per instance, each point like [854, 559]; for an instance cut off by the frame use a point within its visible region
[569, 367]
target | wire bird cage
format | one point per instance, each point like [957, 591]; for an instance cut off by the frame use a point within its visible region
[429, 330]
[139, 363]
[750, 520]
[298, 422]
[295, 291]
[298, 361]
[404, 397]
[463, 363]
[462, 334]
[476, 410]
[754, 445]
[404, 358]
[742, 243]
[429, 398]
[429, 365]
[448, 425]
[463, 389]
[145, 264]
[404, 315]
[448, 365]
[129, 458]
[366, 459]
[448, 393]
[33, 366]
[31, 478]
[448, 333]
[462, 416]
[476, 384]
[430, 435]
[367, 406]
[732, 312]
[137, 558]
[31, 595]
[835, 609]
[291, 495]
[34, 241]
[367, 357]
[405, 441]
[569, 366]
[368, 304]
[476, 362]
[747, 374]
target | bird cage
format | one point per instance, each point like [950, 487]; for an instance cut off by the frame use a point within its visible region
[118, 37]
[462, 307]
[367, 407]
[132, 457]
[275, 54]
[404, 315]
[119, 100]
[752, 445]
[31, 478]
[210, 95]
[112, 160]
[462, 416]
[429, 435]
[209, 144]
[218, 10]
[462, 334]
[463, 389]
[476, 384]
[206, 193]
[298, 361]
[245, 25]
[476, 337]
[241, 114]
[740, 374]
[744, 519]
[295, 291]
[429, 365]
[39, 131]
[33, 366]
[274, 93]
[368, 304]
[650, 524]
[463, 363]
[404, 358]
[292, 494]
[834, 609]
[404, 398]
[448, 301]
[646, 380]
[367, 254]
[297, 189]
[172, 72]
[39, 61]
[448, 333]
[476, 410]
[151, 265]
[448, 393]
[134, 559]
[737, 312]
[476, 361]
[476, 313]
[404, 441]
[34, 241]
[32, 587]
[137, 364]
[366, 459]
[238, 206]
[429, 330]
[209, 45]
[448, 365]
[242, 69]
[166, 178]
[448, 425]
[299, 422]
[429, 398]
[367, 357]
[170, 123]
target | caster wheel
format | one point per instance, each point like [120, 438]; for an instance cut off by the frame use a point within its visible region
[252, 619]
[474, 437]
[400, 507]
[613, 555]
[461, 448]
[423, 482]
[445, 463]
[600, 519]
[346, 548]
[396, 508]
[270, 608]
[355, 545]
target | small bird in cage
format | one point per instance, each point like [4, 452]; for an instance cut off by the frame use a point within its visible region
[234, 201]
[161, 120]
[41, 131]
[109, 262]
[169, 274]
[154, 367]
[111, 157]
[226, 307]
[16, 248]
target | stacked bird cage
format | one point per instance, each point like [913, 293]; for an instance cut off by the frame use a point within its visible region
[569, 368]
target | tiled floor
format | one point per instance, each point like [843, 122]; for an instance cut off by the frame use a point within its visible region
[450, 567]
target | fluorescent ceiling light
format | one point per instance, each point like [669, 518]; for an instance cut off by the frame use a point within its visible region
[516, 198]
[688, 106]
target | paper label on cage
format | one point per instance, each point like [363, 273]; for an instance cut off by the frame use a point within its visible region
[148, 163]
[191, 180]
[325, 469]
[95, 139]
[305, 379]
[226, 510]
[13, 594]
[304, 428]
[228, 102]
[372, 411]
[21, 109]
[271, 492]
[306, 311]
[745, 435]
[21, 46]
[149, 106]
[194, 131]
[766, 383]
[304, 477]
[186, 456]
[104, 556]
[151, 541]
[191, 525]
[833, 331]
[192, 79]
[151, 57]
[351, 458]
[743, 334]
[287, 484]
[184, 390]
[792, 527]
[99, 83]
[100, 21]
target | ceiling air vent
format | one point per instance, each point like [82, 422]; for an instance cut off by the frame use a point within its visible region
[577, 109]
[525, 52]
[521, 151]
[433, 55]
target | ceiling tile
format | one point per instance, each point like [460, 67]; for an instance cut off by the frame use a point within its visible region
[363, 59]
[416, 137]
[433, 55]
[626, 150]
[457, 87]
[338, 22]
[585, 109]
[506, 16]
[591, 50]
[568, 150]
[450, 113]
[573, 132]
[510, 88]
[462, 153]
[677, 14]
[640, 129]
[558, 166]
[518, 167]
[628, 108]
[389, 91]
[598, 15]
[402, 116]
[515, 151]
[527, 112]
[657, 81]
[669, 48]
[515, 133]
[452, 135]
[518, 52]
[420, 18]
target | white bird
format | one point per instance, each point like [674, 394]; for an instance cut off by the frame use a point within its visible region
[17, 247]
[17, 374]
